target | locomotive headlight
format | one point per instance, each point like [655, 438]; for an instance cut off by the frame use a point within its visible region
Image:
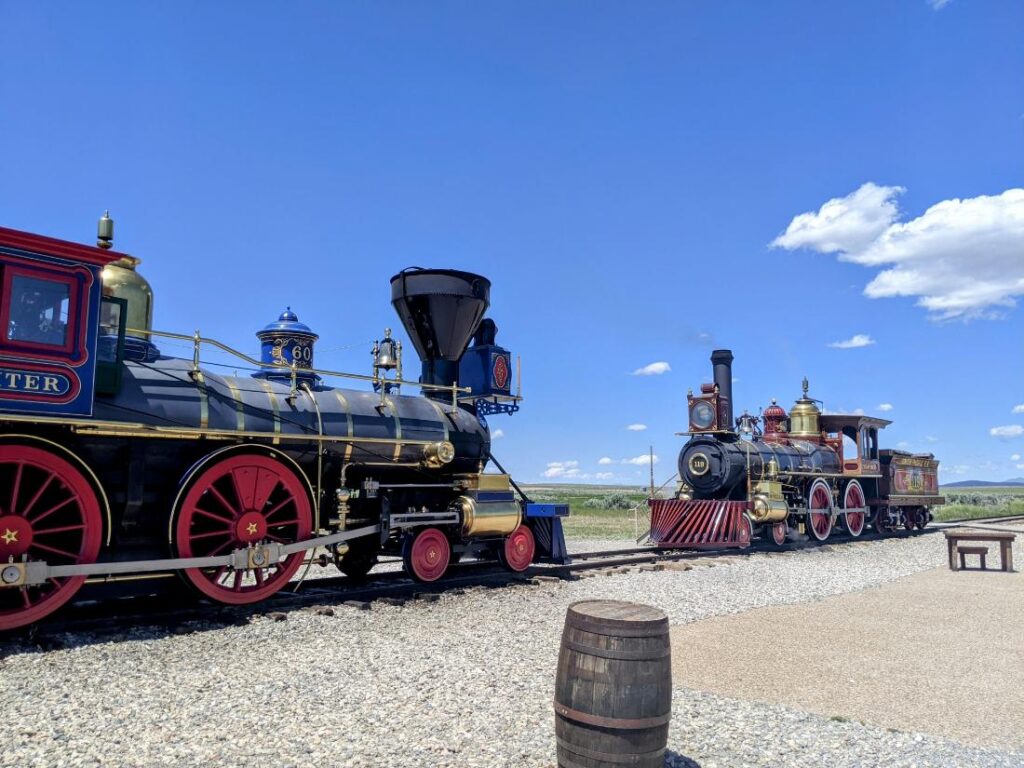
[438, 454]
[760, 507]
[702, 415]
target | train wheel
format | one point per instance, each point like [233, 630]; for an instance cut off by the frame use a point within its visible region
[777, 533]
[240, 500]
[819, 510]
[519, 549]
[48, 511]
[426, 554]
[745, 532]
[881, 523]
[853, 498]
[358, 561]
[911, 519]
[924, 516]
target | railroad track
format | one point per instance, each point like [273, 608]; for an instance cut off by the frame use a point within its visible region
[179, 614]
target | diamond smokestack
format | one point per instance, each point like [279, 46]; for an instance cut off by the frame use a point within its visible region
[440, 309]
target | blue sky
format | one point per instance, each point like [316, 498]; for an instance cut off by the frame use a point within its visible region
[629, 175]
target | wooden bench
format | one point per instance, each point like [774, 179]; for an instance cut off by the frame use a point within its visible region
[964, 551]
[1004, 539]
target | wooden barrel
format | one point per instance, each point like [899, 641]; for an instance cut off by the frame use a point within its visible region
[613, 694]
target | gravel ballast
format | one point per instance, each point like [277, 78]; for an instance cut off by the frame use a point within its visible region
[467, 680]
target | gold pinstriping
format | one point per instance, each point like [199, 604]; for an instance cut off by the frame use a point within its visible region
[239, 407]
[348, 416]
[277, 411]
[204, 400]
[442, 416]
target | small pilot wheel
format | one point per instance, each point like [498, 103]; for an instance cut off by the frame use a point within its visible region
[426, 554]
[234, 502]
[358, 560]
[923, 516]
[518, 550]
[819, 510]
[853, 499]
[910, 518]
[49, 512]
[744, 532]
[777, 533]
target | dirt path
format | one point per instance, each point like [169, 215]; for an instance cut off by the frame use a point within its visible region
[937, 652]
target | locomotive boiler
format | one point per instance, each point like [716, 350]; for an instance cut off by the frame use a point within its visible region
[119, 462]
[776, 473]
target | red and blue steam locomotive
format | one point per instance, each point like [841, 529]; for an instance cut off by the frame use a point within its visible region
[119, 463]
[804, 473]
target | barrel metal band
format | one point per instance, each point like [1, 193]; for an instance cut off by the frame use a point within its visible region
[596, 628]
[624, 723]
[609, 757]
[609, 653]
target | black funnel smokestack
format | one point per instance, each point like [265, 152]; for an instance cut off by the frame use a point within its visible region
[722, 359]
[440, 309]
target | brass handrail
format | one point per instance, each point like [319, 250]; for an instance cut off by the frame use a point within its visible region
[198, 340]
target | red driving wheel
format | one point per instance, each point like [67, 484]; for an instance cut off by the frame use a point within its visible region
[427, 554]
[48, 511]
[237, 501]
[854, 499]
[819, 515]
[519, 549]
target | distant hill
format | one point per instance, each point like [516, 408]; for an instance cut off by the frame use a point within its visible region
[1013, 482]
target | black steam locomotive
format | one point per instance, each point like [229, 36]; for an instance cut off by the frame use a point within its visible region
[119, 463]
[768, 474]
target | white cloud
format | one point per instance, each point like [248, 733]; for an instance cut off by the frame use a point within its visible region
[562, 469]
[606, 460]
[1011, 430]
[653, 369]
[497, 434]
[958, 469]
[1018, 408]
[885, 407]
[960, 258]
[1015, 457]
[859, 340]
[932, 439]
[604, 475]
[642, 460]
[903, 444]
[938, 5]
[636, 427]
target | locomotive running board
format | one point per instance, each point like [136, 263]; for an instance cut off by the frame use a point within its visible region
[38, 571]
[699, 523]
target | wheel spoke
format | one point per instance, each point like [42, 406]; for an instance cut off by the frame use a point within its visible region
[62, 529]
[54, 550]
[211, 534]
[278, 508]
[258, 573]
[53, 509]
[237, 587]
[224, 502]
[284, 523]
[212, 516]
[42, 489]
[14, 492]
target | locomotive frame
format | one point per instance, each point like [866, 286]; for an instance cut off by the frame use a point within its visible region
[156, 466]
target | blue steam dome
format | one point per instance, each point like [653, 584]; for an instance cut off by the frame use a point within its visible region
[284, 342]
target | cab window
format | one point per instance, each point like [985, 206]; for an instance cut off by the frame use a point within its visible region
[39, 311]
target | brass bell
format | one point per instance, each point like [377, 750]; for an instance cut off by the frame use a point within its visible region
[386, 356]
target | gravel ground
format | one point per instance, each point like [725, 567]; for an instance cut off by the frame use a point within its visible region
[464, 681]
